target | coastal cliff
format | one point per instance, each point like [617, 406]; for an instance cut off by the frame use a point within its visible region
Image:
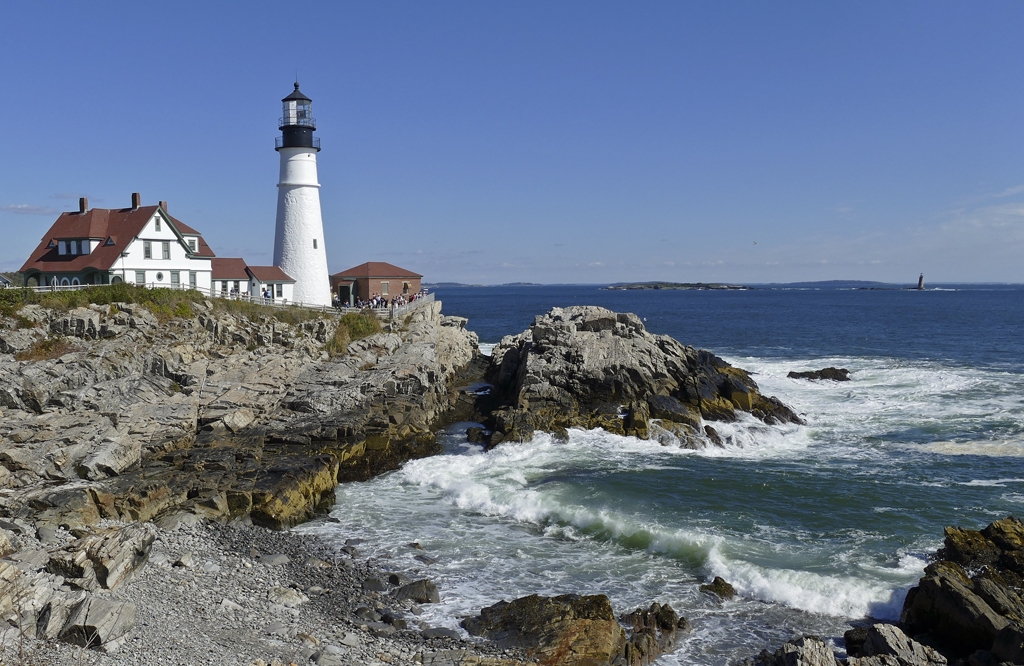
[217, 415]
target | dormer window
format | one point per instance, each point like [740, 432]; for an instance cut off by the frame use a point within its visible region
[192, 244]
[73, 247]
[62, 247]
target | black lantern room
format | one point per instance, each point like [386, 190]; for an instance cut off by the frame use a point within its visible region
[297, 124]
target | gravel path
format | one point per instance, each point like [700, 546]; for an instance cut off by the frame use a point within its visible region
[240, 595]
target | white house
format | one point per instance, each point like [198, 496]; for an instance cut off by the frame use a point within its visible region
[273, 281]
[230, 277]
[139, 245]
[4, 282]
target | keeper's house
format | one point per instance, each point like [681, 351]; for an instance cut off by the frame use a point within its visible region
[141, 245]
[232, 277]
[374, 277]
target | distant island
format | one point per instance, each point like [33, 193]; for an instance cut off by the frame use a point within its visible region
[698, 286]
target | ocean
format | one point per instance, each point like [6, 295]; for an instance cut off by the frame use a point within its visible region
[816, 526]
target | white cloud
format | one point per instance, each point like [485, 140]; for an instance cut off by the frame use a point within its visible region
[28, 209]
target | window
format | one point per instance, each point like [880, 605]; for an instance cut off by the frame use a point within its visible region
[86, 246]
[175, 278]
[73, 247]
[314, 243]
[62, 247]
[159, 277]
[166, 249]
[224, 287]
[74, 281]
[383, 288]
[140, 277]
[280, 290]
[235, 286]
[147, 250]
[192, 244]
[192, 279]
[156, 221]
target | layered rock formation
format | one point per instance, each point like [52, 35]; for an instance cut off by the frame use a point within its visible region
[209, 416]
[969, 601]
[588, 367]
[214, 415]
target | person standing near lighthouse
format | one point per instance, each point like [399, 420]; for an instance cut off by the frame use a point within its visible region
[299, 248]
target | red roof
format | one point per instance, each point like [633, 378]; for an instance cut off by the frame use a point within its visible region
[376, 269]
[114, 228]
[229, 268]
[269, 274]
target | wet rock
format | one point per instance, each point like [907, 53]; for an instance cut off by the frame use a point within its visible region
[720, 588]
[652, 633]
[833, 374]
[420, 591]
[568, 629]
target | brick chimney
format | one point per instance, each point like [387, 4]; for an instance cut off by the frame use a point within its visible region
[163, 204]
[136, 200]
[83, 204]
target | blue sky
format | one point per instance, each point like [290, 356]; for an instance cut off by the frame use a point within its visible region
[541, 141]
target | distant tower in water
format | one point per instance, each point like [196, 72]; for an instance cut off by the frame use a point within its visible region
[920, 282]
[299, 238]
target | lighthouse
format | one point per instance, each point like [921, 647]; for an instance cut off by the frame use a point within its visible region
[299, 237]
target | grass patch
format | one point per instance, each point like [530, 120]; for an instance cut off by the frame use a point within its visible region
[165, 304]
[352, 326]
[46, 350]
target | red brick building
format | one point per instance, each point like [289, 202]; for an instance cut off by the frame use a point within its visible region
[374, 277]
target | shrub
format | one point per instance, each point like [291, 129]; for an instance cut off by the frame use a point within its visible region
[352, 326]
[45, 350]
[361, 325]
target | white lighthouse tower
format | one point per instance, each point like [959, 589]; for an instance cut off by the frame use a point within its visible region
[299, 238]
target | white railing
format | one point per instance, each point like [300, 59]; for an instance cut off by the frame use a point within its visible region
[386, 312]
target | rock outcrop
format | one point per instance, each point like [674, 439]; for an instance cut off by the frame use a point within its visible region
[573, 630]
[588, 367]
[878, 645]
[214, 415]
[834, 374]
[969, 600]
[209, 416]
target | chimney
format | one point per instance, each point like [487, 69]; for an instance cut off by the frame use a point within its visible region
[136, 200]
[163, 204]
[83, 204]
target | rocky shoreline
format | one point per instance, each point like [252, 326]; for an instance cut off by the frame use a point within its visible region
[148, 468]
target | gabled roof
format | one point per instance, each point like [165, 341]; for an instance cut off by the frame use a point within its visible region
[269, 274]
[115, 228]
[229, 268]
[375, 269]
[4, 281]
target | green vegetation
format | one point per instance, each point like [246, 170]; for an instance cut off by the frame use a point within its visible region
[45, 350]
[352, 326]
[164, 303]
